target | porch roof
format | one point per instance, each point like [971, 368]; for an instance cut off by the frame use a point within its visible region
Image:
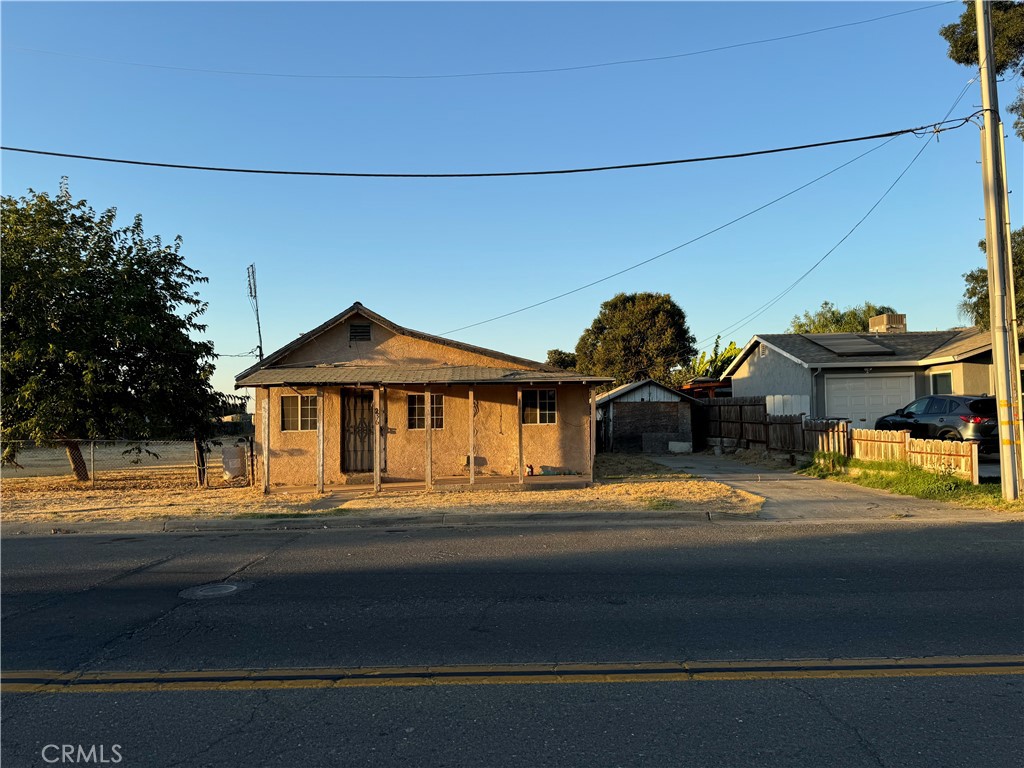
[354, 375]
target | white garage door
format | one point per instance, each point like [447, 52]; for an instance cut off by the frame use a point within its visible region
[863, 398]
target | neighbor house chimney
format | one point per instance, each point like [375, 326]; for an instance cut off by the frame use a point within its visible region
[888, 324]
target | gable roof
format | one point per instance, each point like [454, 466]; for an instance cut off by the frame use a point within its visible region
[267, 372]
[613, 394]
[818, 350]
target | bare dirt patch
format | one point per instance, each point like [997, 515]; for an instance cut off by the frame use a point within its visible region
[129, 497]
[623, 483]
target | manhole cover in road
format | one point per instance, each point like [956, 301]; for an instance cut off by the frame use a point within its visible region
[206, 591]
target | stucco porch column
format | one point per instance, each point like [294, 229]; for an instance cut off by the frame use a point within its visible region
[519, 423]
[265, 419]
[376, 438]
[472, 437]
[319, 439]
[593, 431]
[428, 475]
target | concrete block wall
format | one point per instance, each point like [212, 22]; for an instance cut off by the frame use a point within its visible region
[660, 422]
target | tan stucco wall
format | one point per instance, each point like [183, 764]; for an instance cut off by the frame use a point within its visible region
[968, 378]
[565, 444]
[293, 453]
[384, 348]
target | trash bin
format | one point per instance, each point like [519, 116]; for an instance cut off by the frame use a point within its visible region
[234, 462]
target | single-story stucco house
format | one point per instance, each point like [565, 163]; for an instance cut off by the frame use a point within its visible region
[645, 416]
[861, 376]
[351, 402]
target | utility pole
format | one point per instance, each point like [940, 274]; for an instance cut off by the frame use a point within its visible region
[1000, 269]
[255, 302]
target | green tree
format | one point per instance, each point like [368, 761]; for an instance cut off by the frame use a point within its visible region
[707, 366]
[1008, 41]
[97, 325]
[975, 307]
[830, 319]
[562, 359]
[636, 336]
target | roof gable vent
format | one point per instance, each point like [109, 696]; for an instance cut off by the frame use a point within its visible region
[359, 332]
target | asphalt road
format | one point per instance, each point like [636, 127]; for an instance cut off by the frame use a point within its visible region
[108, 605]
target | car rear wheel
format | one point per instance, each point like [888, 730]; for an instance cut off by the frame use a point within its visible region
[950, 434]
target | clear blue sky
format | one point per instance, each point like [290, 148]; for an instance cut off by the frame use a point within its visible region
[436, 255]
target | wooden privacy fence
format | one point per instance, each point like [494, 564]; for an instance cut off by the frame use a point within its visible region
[745, 422]
[827, 436]
[953, 456]
[743, 419]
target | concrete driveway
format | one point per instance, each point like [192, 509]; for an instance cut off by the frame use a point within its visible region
[798, 497]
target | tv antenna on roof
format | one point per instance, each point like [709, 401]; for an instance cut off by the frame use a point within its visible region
[255, 302]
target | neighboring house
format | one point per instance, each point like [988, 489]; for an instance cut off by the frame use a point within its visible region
[861, 376]
[705, 388]
[355, 396]
[645, 416]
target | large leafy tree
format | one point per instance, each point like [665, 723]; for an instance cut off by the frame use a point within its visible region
[97, 330]
[636, 336]
[830, 319]
[975, 307]
[562, 359]
[1008, 41]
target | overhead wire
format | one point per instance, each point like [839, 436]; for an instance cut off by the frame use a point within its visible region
[681, 245]
[747, 319]
[495, 73]
[679, 354]
[488, 174]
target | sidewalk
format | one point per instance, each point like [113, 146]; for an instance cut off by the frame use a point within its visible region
[790, 496]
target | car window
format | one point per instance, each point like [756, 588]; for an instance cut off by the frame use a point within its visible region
[937, 405]
[917, 407]
[983, 406]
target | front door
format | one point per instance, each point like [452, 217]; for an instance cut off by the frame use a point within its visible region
[357, 432]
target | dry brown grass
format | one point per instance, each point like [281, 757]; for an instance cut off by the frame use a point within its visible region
[610, 466]
[611, 496]
[129, 496]
[624, 483]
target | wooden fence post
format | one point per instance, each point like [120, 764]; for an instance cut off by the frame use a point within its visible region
[252, 461]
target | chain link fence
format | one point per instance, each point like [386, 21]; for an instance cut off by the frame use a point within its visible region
[135, 464]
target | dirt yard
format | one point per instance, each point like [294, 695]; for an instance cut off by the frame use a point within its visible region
[623, 483]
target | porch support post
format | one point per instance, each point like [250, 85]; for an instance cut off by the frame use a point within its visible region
[472, 437]
[319, 439]
[593, 431]
[265, 419]
[519, 422]
[376, 439]
[428, 476]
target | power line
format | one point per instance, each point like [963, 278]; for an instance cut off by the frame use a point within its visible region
[931, 128]
[678, 247]
[497, 73]
[747, 319]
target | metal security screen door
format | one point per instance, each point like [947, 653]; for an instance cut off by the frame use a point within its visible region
[357, 432]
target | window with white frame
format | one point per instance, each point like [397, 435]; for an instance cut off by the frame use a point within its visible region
[417, 412]
[942, 383]
[298, 413]
[539, 406]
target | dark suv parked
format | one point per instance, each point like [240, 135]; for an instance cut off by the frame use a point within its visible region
[949, 417]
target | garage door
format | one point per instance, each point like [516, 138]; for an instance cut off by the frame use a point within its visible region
[863, 398]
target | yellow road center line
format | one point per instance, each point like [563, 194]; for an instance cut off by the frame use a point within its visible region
[55, 681]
